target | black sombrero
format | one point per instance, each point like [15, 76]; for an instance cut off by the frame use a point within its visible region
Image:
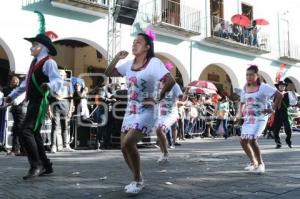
[46, 41]
[281, 83]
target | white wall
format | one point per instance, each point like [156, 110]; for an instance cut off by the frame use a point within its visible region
[20, 23]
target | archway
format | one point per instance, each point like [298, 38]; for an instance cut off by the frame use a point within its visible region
[81, 56]
[222, 76]
[179, 71]
[7, 63]
[294, 81]
[265, 77]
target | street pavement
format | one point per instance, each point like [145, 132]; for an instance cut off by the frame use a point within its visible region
[199, 168]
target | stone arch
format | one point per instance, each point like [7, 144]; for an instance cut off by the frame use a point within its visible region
[179, 65]
[267, 77]
[10, 56]
[295, 81]
[89, 42]
[228, 71]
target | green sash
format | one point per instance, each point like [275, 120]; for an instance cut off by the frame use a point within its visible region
[43, 106]
[288, 112]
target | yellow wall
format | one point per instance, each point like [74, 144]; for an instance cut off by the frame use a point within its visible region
[3, 54]
[78, 60]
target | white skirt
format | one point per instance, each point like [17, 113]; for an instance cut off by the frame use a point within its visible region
[253, 131]
[166, 121]
[143, 122]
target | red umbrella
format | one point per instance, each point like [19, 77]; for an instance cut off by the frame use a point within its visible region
[203, 84]
[261, 22]
[240, 20]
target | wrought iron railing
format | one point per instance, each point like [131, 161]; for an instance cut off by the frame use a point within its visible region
[95, 2]
[171, 13]
[290, 49]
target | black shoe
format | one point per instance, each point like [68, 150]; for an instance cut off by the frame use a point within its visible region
[188, 136]
[48, 170]
[289, 143]
[34, 172]
[177, 144]
[278, 146]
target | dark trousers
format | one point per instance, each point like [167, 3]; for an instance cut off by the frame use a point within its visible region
[180, 128]
[18, 112]
[32, 140]
[279, 120]
[60, 111]
[225, 126]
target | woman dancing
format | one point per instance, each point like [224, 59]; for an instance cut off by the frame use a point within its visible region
[253, 108]
[142, 74]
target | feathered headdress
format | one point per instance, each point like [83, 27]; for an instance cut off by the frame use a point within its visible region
[151, 34]
[42, 28]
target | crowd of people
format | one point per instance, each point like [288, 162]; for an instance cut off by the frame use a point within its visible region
[151, 99]
[246, 35]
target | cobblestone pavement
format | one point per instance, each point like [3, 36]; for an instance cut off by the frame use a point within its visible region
[200, 168]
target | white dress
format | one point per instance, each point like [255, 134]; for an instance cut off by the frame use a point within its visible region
[141, 84]
[255, 102]
[168, 111]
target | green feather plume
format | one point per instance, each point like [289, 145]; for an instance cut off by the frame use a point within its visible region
[42, 28]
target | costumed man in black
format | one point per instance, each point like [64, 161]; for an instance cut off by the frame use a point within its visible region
[281, 117]
[18, 110]
[42, 78]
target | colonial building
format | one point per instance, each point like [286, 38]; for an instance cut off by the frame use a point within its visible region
[199, 37]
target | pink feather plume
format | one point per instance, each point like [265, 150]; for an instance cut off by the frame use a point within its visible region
[151, 34]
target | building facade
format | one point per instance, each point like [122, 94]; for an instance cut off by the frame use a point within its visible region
[198, 37]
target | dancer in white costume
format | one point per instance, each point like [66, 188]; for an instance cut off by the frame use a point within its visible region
[142, 75]
[167, 116]
[253, 108]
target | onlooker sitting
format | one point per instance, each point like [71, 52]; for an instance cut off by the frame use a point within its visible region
[236, 33]
[220, 30]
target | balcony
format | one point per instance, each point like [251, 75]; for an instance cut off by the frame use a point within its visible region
[290, 52]
[97, 8]
[232, 36]
[170, 18]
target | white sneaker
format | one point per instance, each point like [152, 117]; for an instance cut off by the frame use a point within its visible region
[134, 188]
[164, 158]
[141, 182]
[67, 149]
[53, 150]
[250, 167]
[172, 147]
[259, 169]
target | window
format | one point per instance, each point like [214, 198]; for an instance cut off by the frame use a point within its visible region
[247, 10]
[171, 11]
[213, 77]
[216, 9]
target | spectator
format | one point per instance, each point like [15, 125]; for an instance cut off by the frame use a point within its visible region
[60, 112]
[222, 112]
[18, 111]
